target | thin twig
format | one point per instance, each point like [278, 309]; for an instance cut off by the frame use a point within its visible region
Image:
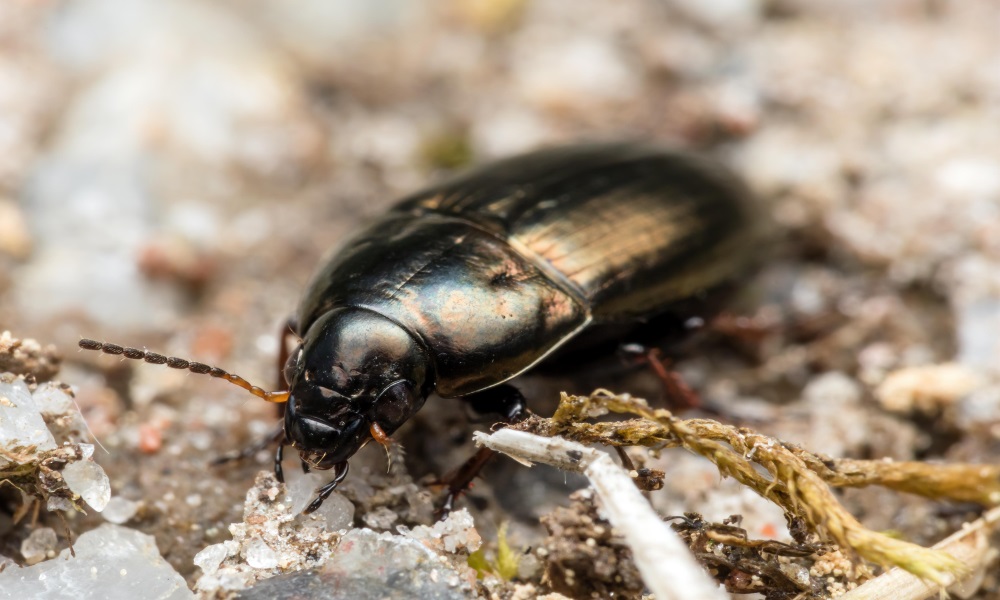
[789, 482]
[664, 560]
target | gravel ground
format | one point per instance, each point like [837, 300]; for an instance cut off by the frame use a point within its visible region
[173, 172]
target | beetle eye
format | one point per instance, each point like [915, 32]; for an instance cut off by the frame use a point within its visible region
[396, 404]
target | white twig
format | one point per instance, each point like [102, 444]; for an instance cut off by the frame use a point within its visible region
[664, 561]
[969, 545]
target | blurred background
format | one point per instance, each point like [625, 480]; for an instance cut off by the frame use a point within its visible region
[172, 172]
[166, 157]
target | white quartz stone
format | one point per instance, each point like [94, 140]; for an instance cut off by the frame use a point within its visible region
[210, 558]
[260, 555]
[89, 480]
[38, 544]
[119, 510]
[21, 423]
[111, 563]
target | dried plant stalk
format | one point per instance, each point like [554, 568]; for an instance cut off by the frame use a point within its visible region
[959, 482]
[970, 545]
[663, 559]
[796, 480]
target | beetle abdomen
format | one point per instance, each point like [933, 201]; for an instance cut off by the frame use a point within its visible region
[631, 228]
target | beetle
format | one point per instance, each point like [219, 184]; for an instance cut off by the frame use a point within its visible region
[463, 286]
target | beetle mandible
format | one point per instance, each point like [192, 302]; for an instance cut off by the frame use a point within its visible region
[467, 284]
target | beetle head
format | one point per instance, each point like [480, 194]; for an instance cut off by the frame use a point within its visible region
[354, 369]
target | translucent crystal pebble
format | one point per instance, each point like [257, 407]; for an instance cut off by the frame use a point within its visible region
[302, 489]
[337, 512]
[260, 555]
[119, 510]
[58, 503]
[60, 413]
[89, 480]
[457, 532]
[53, 400]
[210, 558]
[21, 423]
[381, 518]
[36, 547]
[111, 563]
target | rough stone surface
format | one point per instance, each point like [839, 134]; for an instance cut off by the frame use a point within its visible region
[372, 566]
[277, 552]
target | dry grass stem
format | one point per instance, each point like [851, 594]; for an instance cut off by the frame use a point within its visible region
[970, 545]
[796, 480]
[663, 559]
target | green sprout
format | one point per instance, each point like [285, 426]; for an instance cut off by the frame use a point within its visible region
[504, 565]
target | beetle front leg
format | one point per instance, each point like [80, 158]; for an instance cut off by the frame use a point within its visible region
[339, 473]
[503, 400]
[279, 456]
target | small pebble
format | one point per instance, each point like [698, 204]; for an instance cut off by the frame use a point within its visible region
[37, 546]
[210, 558]
[89, 480]
[260, 556]
[381, 518]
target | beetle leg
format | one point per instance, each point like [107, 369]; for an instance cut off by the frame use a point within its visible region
[460, 480]
[504, 400]
[678, 394]
[305, 466]
[647, 480]
[627, 463]
[339, 473]
[279, 455]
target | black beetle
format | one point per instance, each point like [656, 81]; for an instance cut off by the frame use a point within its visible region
[465, 285]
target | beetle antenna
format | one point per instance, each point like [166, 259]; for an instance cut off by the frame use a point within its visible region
[179, 363]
